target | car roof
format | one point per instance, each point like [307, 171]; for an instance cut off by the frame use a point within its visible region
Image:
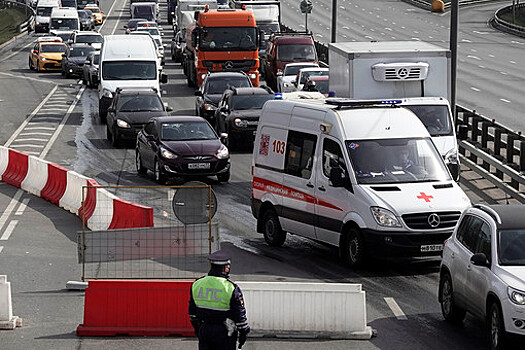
[80, 45]
[179, 119]
[319, 78]
[221, 75]
[310, 64]
[314, 69]
[251, 91]
[290, 40]
[137, 91]
[506, 216]
[88, 32]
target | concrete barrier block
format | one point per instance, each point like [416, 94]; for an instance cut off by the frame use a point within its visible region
[7, 320]
[103, 213]
[36, 177]
[335, 310]
[4, 159]
[72, 198]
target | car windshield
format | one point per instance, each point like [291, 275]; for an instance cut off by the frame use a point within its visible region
[250, 101]
[396, 161]
[140, 103]
[511, 247]
[129, 70]
[94, 10]
[83, 15]
[63, 23]
[296, 52]
[80, 51]
[185, 131]
[321, 86]
[60, 48]
[151, 30]
[436, 118]
[308, 74]
[228, 39]
[269, 28]
[134, 23]
[89, 39]
[217, 86]
[294, 69]
[44, 11]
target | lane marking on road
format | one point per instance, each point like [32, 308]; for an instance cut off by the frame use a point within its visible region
[504, 73]
[475, 89]
[512, 62]
[10, 208]
[400, 315]
[107, 16]
[62, 123]
[28, 78]
[35, 133]
[118, 20]
[504, 100]
[22, 207]
[28, 119]
[1, 248]
[19, 51]
[474, 57]
[29, 140]
[10, 228]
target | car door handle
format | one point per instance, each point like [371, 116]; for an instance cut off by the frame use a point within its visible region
[309, 185]
[321, 188]
[469, 267]
[452, 255]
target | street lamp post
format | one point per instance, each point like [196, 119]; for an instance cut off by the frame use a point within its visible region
[454, 54]
[334, 19]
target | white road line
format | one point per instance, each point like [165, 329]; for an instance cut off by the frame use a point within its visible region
[504, 73]
[28, 119]
[16, 52]
[35, 134]
[1, 248]
[10, 228]
[33, 146]
[29, 140]
[395, 308]
[28, 78]
[512, 62]
[504, 100]
[474, 57]
[39, 128]
[22, 207]
[10, 207]
[475, 89]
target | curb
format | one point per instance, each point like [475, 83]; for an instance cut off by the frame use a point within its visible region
[13, 39]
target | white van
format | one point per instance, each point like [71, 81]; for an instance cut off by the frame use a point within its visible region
[362, 176]
[43, 14]
[126, 60]
[64, 19]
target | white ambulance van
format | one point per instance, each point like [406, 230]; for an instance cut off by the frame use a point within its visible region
[364, 176]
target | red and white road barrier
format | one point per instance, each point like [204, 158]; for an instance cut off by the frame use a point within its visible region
[102, 210]
[7, 320]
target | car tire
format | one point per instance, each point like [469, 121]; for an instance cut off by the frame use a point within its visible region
[30, 64]
[103, 115]
[157, 172]
[353, 248]
[451, 312]
[115, 139]
[496, 327]
[272, 231]
[225, 177]
[138, 163]
[109, 135]
[38, 66]
[84, 81]
[66, 74]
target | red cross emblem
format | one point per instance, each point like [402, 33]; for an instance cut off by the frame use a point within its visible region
[424, 196]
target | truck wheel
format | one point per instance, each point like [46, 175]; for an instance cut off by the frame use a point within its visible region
[496, 327]
[353, 248]
[451, 312]
[272, 231]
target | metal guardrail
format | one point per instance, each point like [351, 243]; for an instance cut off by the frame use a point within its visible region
[491, 149]
[500, 24]
[29, 24]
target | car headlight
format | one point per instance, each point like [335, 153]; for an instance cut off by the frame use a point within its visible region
[384, 217]
[107, 93]
[203, 75]
[167, 154]
[451, 157]
[43, 59]
[37, 23]
[209, 107]
[516, 296]
[223, 153]
[253, 75]
[240, 123]
[123, 124]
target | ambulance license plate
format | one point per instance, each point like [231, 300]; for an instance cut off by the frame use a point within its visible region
[198, 165]
[431, 248]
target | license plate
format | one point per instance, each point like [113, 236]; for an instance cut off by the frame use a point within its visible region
[432, 248]
[198, 165]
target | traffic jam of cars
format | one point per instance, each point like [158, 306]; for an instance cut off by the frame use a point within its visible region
[327, 157]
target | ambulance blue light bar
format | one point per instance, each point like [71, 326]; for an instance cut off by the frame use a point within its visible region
[278, 96]
[345, 102]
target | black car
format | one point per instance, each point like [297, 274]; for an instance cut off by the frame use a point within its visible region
[181, 146]
[130, 109]
[211, 90]
[74, 58]
[87, 22]
[238, 112]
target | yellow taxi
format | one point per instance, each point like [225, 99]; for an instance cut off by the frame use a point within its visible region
[99, 15]
[46, 54]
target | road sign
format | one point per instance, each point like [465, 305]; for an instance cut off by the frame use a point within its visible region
[306, 6]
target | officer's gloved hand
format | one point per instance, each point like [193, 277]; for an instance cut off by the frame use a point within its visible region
[243, 333]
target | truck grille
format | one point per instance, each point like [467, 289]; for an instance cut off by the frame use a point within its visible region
[432, 220]
[400, 71]
[229, 66]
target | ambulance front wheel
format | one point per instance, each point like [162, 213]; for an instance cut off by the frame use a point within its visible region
[272, 231]
[353, 248]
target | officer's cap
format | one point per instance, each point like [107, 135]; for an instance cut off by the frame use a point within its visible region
[220, 258]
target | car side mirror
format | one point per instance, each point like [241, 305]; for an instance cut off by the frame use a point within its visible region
[337, 177]
[223, 137]
[279, 74]
[163, 78]
[462, 132]
[111, 110]
[63, 55]
[169, 109]
[198, 93]
[125, 27]
[480, 259]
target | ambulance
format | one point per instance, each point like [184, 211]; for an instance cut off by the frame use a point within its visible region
[363, 176]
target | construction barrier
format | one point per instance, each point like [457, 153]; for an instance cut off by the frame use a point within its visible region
[64, 188]
[138, 308]
[152, 308]
[7, 320]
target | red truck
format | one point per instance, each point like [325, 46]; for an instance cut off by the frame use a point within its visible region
[222, 40]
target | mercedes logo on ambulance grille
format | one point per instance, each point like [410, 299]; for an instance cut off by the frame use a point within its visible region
[228, 65]
[402, 73]
[434, 220]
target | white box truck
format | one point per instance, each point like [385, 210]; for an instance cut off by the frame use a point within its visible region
[43, 14]
[417, 72]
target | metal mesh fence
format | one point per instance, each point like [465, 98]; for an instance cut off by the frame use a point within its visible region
[174, 244]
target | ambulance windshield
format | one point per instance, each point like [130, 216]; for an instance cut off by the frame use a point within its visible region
[396, 161]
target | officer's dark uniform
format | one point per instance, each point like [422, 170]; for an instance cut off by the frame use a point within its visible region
[213, 299]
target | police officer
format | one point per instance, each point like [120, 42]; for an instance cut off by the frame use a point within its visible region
[216, 307]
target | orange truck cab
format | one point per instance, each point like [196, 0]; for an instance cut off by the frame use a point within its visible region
[222, 40]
